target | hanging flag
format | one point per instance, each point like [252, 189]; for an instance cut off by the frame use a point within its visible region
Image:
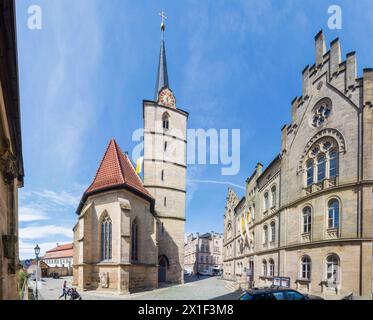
[139, 165]
[242, 228]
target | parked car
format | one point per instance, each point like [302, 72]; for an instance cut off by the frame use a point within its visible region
[188, 272]
[256, 294]
[205, 273]
[55, 275]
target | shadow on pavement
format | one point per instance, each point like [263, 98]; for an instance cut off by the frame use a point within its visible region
[230, 296]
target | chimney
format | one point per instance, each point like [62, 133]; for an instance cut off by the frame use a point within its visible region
[351, 73]
[320, 48]
[335, 56]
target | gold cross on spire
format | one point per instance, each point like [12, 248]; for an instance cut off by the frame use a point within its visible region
[162, 14]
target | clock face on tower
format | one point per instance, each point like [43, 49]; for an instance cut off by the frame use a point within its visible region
[166, 98]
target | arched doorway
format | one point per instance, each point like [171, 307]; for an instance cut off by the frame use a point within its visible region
[162, 269]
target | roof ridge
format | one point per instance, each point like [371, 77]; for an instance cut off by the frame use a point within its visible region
[117, 150]
[99, 167]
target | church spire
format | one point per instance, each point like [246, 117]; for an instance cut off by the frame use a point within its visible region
[162, 76]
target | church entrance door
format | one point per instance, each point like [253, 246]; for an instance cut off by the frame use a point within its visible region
[162, 269]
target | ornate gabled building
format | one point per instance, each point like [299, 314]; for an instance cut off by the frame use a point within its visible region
[130, 233]
[204, 252]
[308, 215]
[11, 160]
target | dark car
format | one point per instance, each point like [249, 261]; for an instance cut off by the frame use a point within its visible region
[257, 294]
[55, 275]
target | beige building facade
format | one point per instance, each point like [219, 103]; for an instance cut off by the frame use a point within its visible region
[204, 252]
[130, 231]
[11, 162]
[308, 215]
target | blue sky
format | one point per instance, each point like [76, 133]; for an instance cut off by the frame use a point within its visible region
[232, 64]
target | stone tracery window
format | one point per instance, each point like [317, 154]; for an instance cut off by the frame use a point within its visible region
[321, 112]
[106, 238]
[322, 161]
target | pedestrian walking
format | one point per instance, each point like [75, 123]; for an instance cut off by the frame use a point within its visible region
[64, 291]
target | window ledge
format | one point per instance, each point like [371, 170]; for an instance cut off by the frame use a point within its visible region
[266, 277]
[303, 280]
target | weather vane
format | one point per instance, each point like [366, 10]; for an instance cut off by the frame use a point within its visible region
[162, 14]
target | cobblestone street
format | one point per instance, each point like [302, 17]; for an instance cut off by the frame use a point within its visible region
[209, 288]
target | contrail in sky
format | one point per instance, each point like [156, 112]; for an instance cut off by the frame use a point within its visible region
[218, 182]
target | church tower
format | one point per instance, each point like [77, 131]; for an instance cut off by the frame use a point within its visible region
[165, 127]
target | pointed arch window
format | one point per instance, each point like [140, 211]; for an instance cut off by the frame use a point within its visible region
[134, 241]
[273, 191]
[333, 164]
[264, 268]
[265, 234]
[273, 231]
[271, 267]
[266, 201]
[166, 121]
[320, 169]
[309, 172]
[106, 238]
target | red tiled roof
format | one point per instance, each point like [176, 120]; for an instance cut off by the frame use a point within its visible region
[62, 247]
[116, 170]
[63, 251]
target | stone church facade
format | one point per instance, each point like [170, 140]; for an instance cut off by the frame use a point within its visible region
[130, 232]
[308, 215]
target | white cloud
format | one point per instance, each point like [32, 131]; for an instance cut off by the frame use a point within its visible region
[40, 232]
[62, 198]
[31, 213]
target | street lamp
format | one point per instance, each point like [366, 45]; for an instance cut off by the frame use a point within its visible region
[37, 252]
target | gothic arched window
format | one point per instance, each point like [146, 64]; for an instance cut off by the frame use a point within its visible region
[106, 238]
[271, 267]
[166, 121]
[307, 220]
[264, 268]
[320, 169]
[265, 234]
[305, 269]
[134, 241]
[273, 192]
[333, 214]
[266, 201]
[325, 154]
[273, 231]
[333, 164]
[309, 172]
